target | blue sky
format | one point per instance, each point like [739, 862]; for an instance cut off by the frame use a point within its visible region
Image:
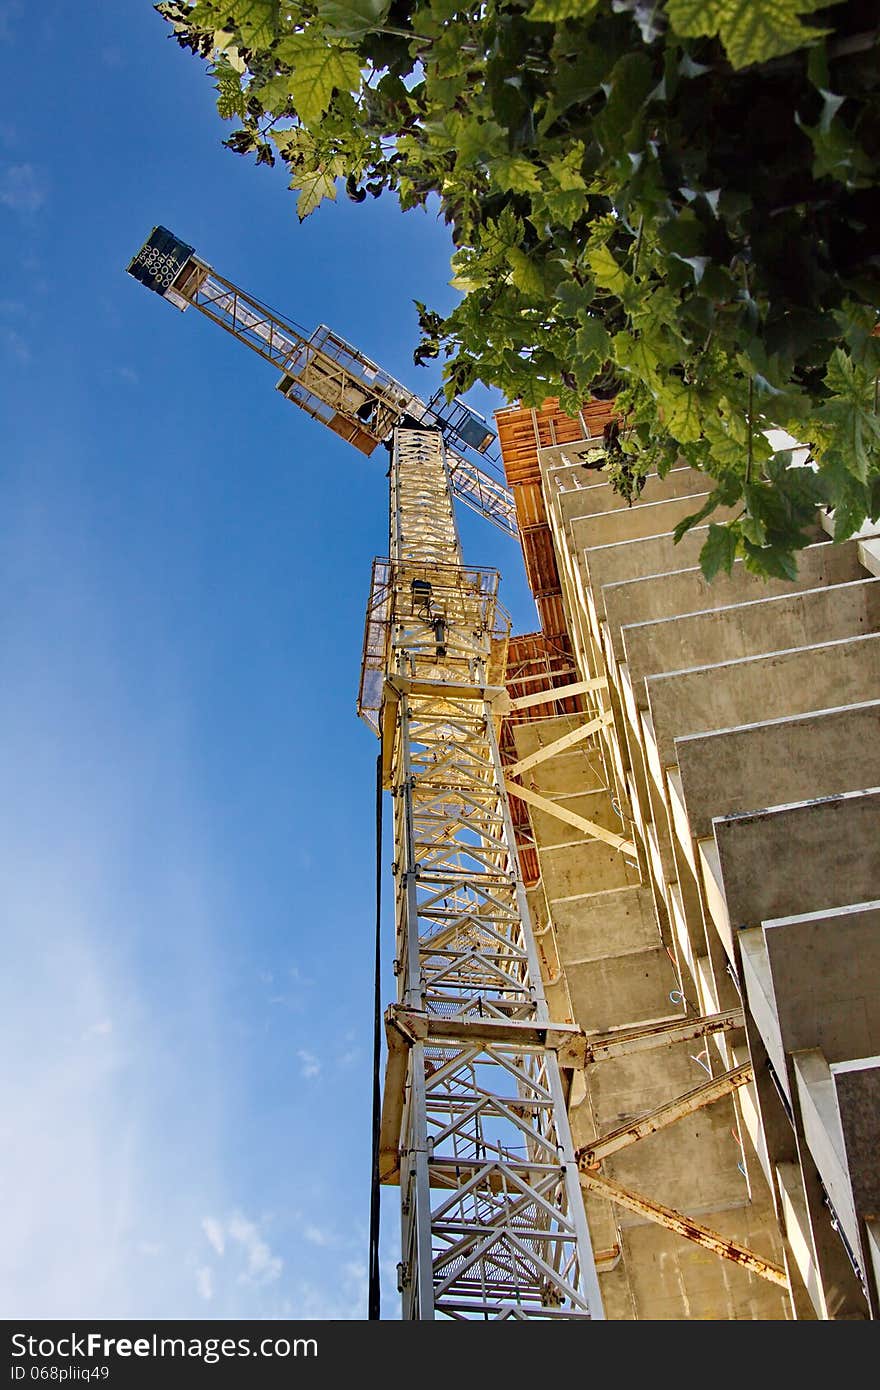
[186, 835]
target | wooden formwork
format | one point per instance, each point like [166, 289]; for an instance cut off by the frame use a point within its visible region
[521, 433]
[539, 660]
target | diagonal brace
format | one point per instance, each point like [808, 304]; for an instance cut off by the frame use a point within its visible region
[586, 827]
[684, 1226]
[591, 1154]
[559, 745]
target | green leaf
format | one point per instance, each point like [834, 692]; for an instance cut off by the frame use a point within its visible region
[593, 340]
[230, 97]
[682, 411]
[687, 522]
[475, 140]
[637, 355]
[313, 187]
[552, 11]
[838, 154]
[500, 235]
[752, 31]
[752, 528]
[850, 429]
[513, 174]
[627, 89]
[607, 272]
[256, 20]
[353, 18]
[576, 300]
[577, 81]
[682, 235]
[719, 550]
[775, 561]
[275, 94]
[319, 71]
[526, 275]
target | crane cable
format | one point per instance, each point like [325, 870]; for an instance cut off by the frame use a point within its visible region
[374, 1277]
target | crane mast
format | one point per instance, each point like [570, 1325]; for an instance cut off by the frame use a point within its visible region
[474, 1123]
[474, 1126]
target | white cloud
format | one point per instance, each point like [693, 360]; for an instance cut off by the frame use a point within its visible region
[316, 1236]
[347, 1300]
[262, 1265]
[310, 1067]
[101, 1029]
[22, 188]
[214, 1231]
[14, 344]
[237, 1232]
[101, 1219]
[205, 1283]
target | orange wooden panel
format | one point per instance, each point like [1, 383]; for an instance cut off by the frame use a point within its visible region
[540, 561]
[522, 431]
[552, 614]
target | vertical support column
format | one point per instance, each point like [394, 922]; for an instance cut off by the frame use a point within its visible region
[493, 1222]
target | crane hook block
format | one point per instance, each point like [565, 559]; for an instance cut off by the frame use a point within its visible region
[160, 260]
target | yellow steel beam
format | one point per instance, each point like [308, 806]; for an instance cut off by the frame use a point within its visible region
[586, 827]
[559, 745]
[562, 692]
[621, 1042]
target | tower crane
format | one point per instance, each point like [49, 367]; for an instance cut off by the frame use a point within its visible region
[474, 1126]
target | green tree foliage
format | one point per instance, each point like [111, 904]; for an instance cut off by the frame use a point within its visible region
[675, 205]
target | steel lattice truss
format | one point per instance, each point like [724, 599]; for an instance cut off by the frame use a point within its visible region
[493, 1219]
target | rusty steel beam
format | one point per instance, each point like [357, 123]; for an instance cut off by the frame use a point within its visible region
[684, 1226]
[621, 1042]
[589, 1155]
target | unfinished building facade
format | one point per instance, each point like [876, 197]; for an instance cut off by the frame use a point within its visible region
[697, 818]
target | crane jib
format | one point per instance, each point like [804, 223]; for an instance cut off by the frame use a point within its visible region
[327, 377]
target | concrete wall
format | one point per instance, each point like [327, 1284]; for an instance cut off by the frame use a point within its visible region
[743, 759]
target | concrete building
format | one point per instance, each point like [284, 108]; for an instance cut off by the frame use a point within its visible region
[698, 820]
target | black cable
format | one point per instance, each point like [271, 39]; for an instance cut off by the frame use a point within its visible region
[374, 1278]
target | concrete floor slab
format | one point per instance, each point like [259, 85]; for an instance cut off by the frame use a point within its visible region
[654, 518]
[686, 591]
[772, 686]
[783, 760]
[575, 491]
[749, 629]
[648, 556]
[808, 857]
